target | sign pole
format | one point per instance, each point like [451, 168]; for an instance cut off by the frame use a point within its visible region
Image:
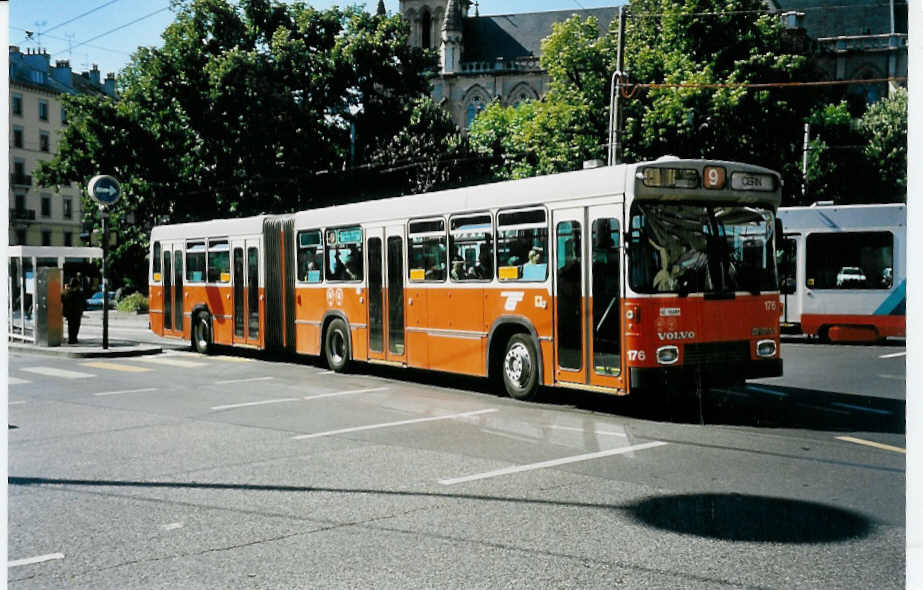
[104, 214]
[104, 190]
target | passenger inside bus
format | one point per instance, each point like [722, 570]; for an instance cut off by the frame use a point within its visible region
[534, 269]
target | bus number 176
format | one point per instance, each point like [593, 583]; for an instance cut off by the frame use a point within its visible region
[636, 355]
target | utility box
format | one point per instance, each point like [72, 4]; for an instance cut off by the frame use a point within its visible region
[49, 319]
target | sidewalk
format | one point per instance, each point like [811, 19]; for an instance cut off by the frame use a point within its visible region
[129, 335]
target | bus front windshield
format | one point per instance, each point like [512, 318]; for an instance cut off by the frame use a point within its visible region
[706, 248]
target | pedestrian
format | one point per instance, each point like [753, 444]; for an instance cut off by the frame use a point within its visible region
[73, 304]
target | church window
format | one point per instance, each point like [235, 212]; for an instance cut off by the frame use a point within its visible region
[426, 26]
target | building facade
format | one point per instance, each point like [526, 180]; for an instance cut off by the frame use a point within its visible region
[43, 216]
[487, 58]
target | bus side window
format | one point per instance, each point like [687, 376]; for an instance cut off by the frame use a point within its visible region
[155, 261]
[522, 245]
[344, 254]
[471, 247]
[195, 261]
[426, 250]
[219, 261]
[310, 256]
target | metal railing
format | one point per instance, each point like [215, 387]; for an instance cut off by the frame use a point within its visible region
[21, 179]
[22, 214]
[519, 64]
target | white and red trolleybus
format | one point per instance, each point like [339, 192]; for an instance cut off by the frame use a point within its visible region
[843, 271]
[612, 279]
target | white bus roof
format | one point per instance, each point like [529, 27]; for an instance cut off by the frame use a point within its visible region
[840, 217]
[210, 229]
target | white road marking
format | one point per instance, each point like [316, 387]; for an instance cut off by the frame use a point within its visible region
[172, 526]
[893, 355]
[37, 559]
[552, 463]
[116, 367]
[16, 381]
[260, 403]
[170, 361]
[53, 372]
[399, 423]
[607, 432]
[869, 443]
[243, 380]
[326, 373]
[102, 393]
[893, 377]
[18, 402]
[350, 392]
[233, 359]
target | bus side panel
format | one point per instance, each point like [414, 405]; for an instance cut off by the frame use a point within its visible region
[218, 299]
[310, 304]
[886, 325]
[155, 308]
[415, 322]
[458, 315]
[532, 305]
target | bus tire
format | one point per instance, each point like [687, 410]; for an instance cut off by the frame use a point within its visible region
[520, 367]
[336, 346]
[202, 333]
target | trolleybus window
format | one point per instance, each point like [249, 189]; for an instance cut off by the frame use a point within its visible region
[714, 249]
[156, 262]
[786, 260]
[219, 261]
[849, 260]
[471, 245]
[195, 261]
[522, 245]
[310, 256]
[427, 251]
[344, 253]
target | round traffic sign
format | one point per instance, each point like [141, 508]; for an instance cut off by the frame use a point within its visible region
[104, 189]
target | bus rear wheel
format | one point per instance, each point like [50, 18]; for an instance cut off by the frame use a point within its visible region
[202, 333]
[336, 346]
[520, 367]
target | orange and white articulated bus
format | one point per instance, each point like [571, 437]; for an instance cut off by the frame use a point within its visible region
[843, 271]
[612, 279]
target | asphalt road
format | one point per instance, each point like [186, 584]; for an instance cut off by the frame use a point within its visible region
[239, 471]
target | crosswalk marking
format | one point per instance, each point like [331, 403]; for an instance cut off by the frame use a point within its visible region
[116, 367]
[16, 380]
[102, 393]
[170, 361]
[54, 372]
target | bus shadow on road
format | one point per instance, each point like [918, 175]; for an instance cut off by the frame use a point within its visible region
[749, 518]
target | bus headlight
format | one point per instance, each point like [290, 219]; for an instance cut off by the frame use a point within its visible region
[667, 355]
[766, 348]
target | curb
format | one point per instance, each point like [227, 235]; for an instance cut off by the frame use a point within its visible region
[119, 351]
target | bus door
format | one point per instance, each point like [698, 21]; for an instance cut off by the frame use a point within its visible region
[376, 292]
[588, 290]
[245, 281]
[394, 294]
[789, 285]
[172, 289]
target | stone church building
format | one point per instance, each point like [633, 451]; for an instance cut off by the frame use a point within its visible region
[483, 58]
[486, 58]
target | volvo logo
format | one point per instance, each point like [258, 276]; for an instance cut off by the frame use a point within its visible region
[676, 335]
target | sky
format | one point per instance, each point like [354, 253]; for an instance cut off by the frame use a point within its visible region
[106, 32]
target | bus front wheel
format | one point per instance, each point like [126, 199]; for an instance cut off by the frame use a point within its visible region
[520, 367]
[336, 346]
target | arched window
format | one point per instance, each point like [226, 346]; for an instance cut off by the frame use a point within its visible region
[426, 28]
[474, 107]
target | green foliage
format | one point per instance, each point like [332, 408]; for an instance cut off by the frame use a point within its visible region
[885, 127]
[240, 112]
[135, 302]
[692, 42]
[837, 168]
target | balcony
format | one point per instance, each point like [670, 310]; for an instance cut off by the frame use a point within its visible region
[22, 214]
[20, 179]
[864, 43]
[519, 64]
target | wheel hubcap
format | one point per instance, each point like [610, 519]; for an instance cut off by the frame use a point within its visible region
[338, 347]
[518, 364]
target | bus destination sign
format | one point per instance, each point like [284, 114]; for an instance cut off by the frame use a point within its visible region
[751, 181]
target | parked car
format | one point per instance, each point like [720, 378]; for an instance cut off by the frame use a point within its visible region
[850, 276]
[96, 301]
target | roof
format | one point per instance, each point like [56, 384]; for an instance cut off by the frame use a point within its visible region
[519, 35]
[33, 71]
[837, 18]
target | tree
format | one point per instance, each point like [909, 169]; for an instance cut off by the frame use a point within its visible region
[885, 126]
[239, 113]
[700, 49]
[838, 170]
